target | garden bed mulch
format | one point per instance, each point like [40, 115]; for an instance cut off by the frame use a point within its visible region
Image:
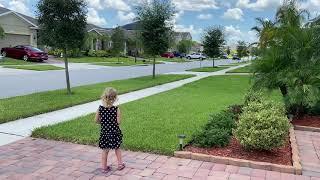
[310, 121]
[280, 156]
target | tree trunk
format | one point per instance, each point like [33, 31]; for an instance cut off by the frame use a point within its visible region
[154, 68]
[284, 90]
[213, 62]
[118, 59]
[135, 56]
[67, 70]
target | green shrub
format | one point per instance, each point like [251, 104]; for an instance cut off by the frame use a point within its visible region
[262, 126]
[212, 137]
[253, 95]
[217, 132]
[98, 53]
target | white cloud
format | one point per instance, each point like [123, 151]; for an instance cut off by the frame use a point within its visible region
[234, 34]
[204, 16]
[311, 5]
[1, 5]
[96, 4]
[126, 18]
[195, 5]
[94, 18]
[258, 5]
[235, 14]
[20, 6]
[117, 5]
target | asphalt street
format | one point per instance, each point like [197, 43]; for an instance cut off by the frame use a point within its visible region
[27, 83]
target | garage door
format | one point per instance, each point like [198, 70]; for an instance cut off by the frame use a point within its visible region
[14, 39]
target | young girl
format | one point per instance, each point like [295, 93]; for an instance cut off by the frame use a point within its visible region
[108, 116]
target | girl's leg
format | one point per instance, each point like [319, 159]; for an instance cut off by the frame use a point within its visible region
[104, 158]
[119, 157]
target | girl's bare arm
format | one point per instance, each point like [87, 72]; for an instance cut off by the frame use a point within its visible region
[97, 117]
[118, 116]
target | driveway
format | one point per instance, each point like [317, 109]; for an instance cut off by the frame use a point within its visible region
[22, 84]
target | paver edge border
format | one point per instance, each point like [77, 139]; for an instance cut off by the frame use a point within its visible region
[306, 128]
[296, 168]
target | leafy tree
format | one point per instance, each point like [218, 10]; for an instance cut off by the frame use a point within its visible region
[62, 26]
[184, 46]
[118, 40]
[153, 17]
[134, 44]
[1, 33]
[228, 50]
[242, 49]
[213, 40]
[292, 62]
[265, 32]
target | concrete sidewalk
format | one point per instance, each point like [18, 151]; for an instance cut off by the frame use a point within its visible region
[16, 130]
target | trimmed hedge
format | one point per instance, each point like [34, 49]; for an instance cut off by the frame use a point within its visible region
[263, 125]
[217, 132]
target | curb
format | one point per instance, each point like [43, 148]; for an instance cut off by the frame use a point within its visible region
[295, 169]
[306, 128]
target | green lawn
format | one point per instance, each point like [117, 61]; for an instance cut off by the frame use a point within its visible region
[112, 61]
[179, 60]
[10, 61]
[246, 69]
[207, 69]
[35, 67]
[33, 104]
[153, 123]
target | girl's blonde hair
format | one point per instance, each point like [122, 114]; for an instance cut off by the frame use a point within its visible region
[109, 96]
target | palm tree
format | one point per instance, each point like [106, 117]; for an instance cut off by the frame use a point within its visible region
[292, 63]
[265, 31]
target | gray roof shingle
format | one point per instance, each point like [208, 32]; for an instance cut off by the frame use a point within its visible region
[31, 19]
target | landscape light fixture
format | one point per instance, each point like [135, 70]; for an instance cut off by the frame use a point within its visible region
[181, 138]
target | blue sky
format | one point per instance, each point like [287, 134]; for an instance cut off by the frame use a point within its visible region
[235, 16]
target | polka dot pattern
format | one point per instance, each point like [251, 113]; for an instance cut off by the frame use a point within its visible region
[110, 133]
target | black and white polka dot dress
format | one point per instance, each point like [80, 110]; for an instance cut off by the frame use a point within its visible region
[110, 133]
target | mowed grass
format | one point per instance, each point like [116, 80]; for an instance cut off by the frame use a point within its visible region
[246, 69]
[175, 59]
[106, 61]
[37, 103]
[207, 69]
[11, 61]
[35, 67]
[153, 123]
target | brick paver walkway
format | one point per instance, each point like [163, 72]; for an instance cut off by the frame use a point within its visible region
[44, 159]
[309, 148]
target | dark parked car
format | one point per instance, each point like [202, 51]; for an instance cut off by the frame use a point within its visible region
[167, 55]
[177, 54]
[236, 57]
[24, 52]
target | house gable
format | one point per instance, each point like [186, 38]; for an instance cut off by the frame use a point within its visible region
[14, 24]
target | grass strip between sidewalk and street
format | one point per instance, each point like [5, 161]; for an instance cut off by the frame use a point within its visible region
[11, 61]
[152, 124]
[35, 67]
[207, 69]
[29, 105]
[246, 69]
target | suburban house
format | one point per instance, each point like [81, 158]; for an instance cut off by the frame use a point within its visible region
[23, 30]
[19, 29]
[130, 31]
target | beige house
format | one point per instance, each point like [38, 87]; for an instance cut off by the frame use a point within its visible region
[19, 29]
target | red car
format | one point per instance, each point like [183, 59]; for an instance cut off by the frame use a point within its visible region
[167, 55]
[24, 52]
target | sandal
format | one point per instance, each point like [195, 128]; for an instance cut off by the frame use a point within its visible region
[106, 170]
[121, 166]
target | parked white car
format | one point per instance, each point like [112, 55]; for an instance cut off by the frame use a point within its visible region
[196, 56]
